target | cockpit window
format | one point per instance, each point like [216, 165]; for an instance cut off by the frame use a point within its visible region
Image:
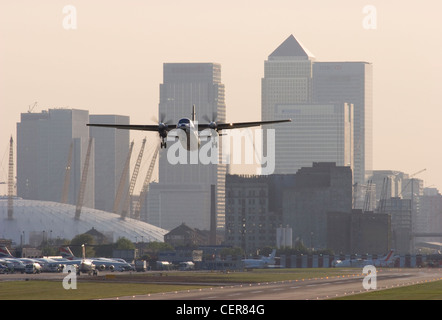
[184, 121]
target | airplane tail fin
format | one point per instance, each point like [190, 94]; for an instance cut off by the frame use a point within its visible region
[5, 253]
[388, 256]
[66, 253]
[271, 258]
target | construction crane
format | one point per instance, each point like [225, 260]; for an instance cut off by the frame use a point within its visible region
[31, 108]
[384, 195]
[367, 202]
[145, 189]
[133, 180]
[11, 180]
[80, 198]
[122, 182]
[419, 172]
[410, 180]
[67, 176]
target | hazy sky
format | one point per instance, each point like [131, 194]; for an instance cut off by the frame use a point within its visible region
[112, 63]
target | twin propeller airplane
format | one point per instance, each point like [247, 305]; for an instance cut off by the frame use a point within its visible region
[187, 130]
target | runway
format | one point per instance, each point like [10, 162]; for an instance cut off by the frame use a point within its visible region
[301, 289]
[306, 289]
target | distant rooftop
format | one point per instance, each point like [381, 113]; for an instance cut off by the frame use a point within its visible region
[291, 48]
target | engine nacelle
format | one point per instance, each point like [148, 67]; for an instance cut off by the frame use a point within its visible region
[101, 267]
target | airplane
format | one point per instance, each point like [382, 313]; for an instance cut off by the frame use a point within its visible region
[387, 261]
[100, 263]
[86, 265]
[5, 253]
[13, 265]
[187, 130]
[263, 262]
[18, 264]
[355, 263]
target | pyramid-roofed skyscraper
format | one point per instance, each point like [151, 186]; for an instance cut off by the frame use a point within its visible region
[291, 48]
[297, 86]
[287, 77]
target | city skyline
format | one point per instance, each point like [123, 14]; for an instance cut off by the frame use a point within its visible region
[112, 63]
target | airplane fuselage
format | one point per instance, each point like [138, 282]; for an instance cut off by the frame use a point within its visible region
[187, 134]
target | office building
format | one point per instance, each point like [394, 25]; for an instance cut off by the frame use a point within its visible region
[287, 77]
[111, 150]
[44, 141]
[319, 189]
[430, 219]
[254, 210]
[400, 211]
[358, 232]
[317, 133]
[287, 81]
[183, 192]
[257, 206]
[350, 82]
[293, 77]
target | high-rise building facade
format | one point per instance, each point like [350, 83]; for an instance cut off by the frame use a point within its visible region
[319, 189]
[287, 81]
[44, 141]
[183, 191]
[293, 77]
[287, 77]
[317, 133]
[111, 151]
[320, 131]
[254, 210]
[350, 82]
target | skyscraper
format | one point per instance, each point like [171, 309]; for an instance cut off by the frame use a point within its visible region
[319, 132]
[287, 77]
[43, 147]
[294, 80]
[183, 191]
[111, 149]
[350, 82]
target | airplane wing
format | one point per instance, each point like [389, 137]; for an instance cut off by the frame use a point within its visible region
[235, 125]
[203, 126]
[147, 127]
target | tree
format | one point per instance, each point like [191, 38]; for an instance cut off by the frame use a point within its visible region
[78, 241]
[124, 244]
[155, 246]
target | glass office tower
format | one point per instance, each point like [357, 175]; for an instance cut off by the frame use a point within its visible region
[183, 193]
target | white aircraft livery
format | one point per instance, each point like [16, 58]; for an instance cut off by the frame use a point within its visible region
[263, 262]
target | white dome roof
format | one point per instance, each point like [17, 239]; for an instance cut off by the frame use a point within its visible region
[52, 220]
